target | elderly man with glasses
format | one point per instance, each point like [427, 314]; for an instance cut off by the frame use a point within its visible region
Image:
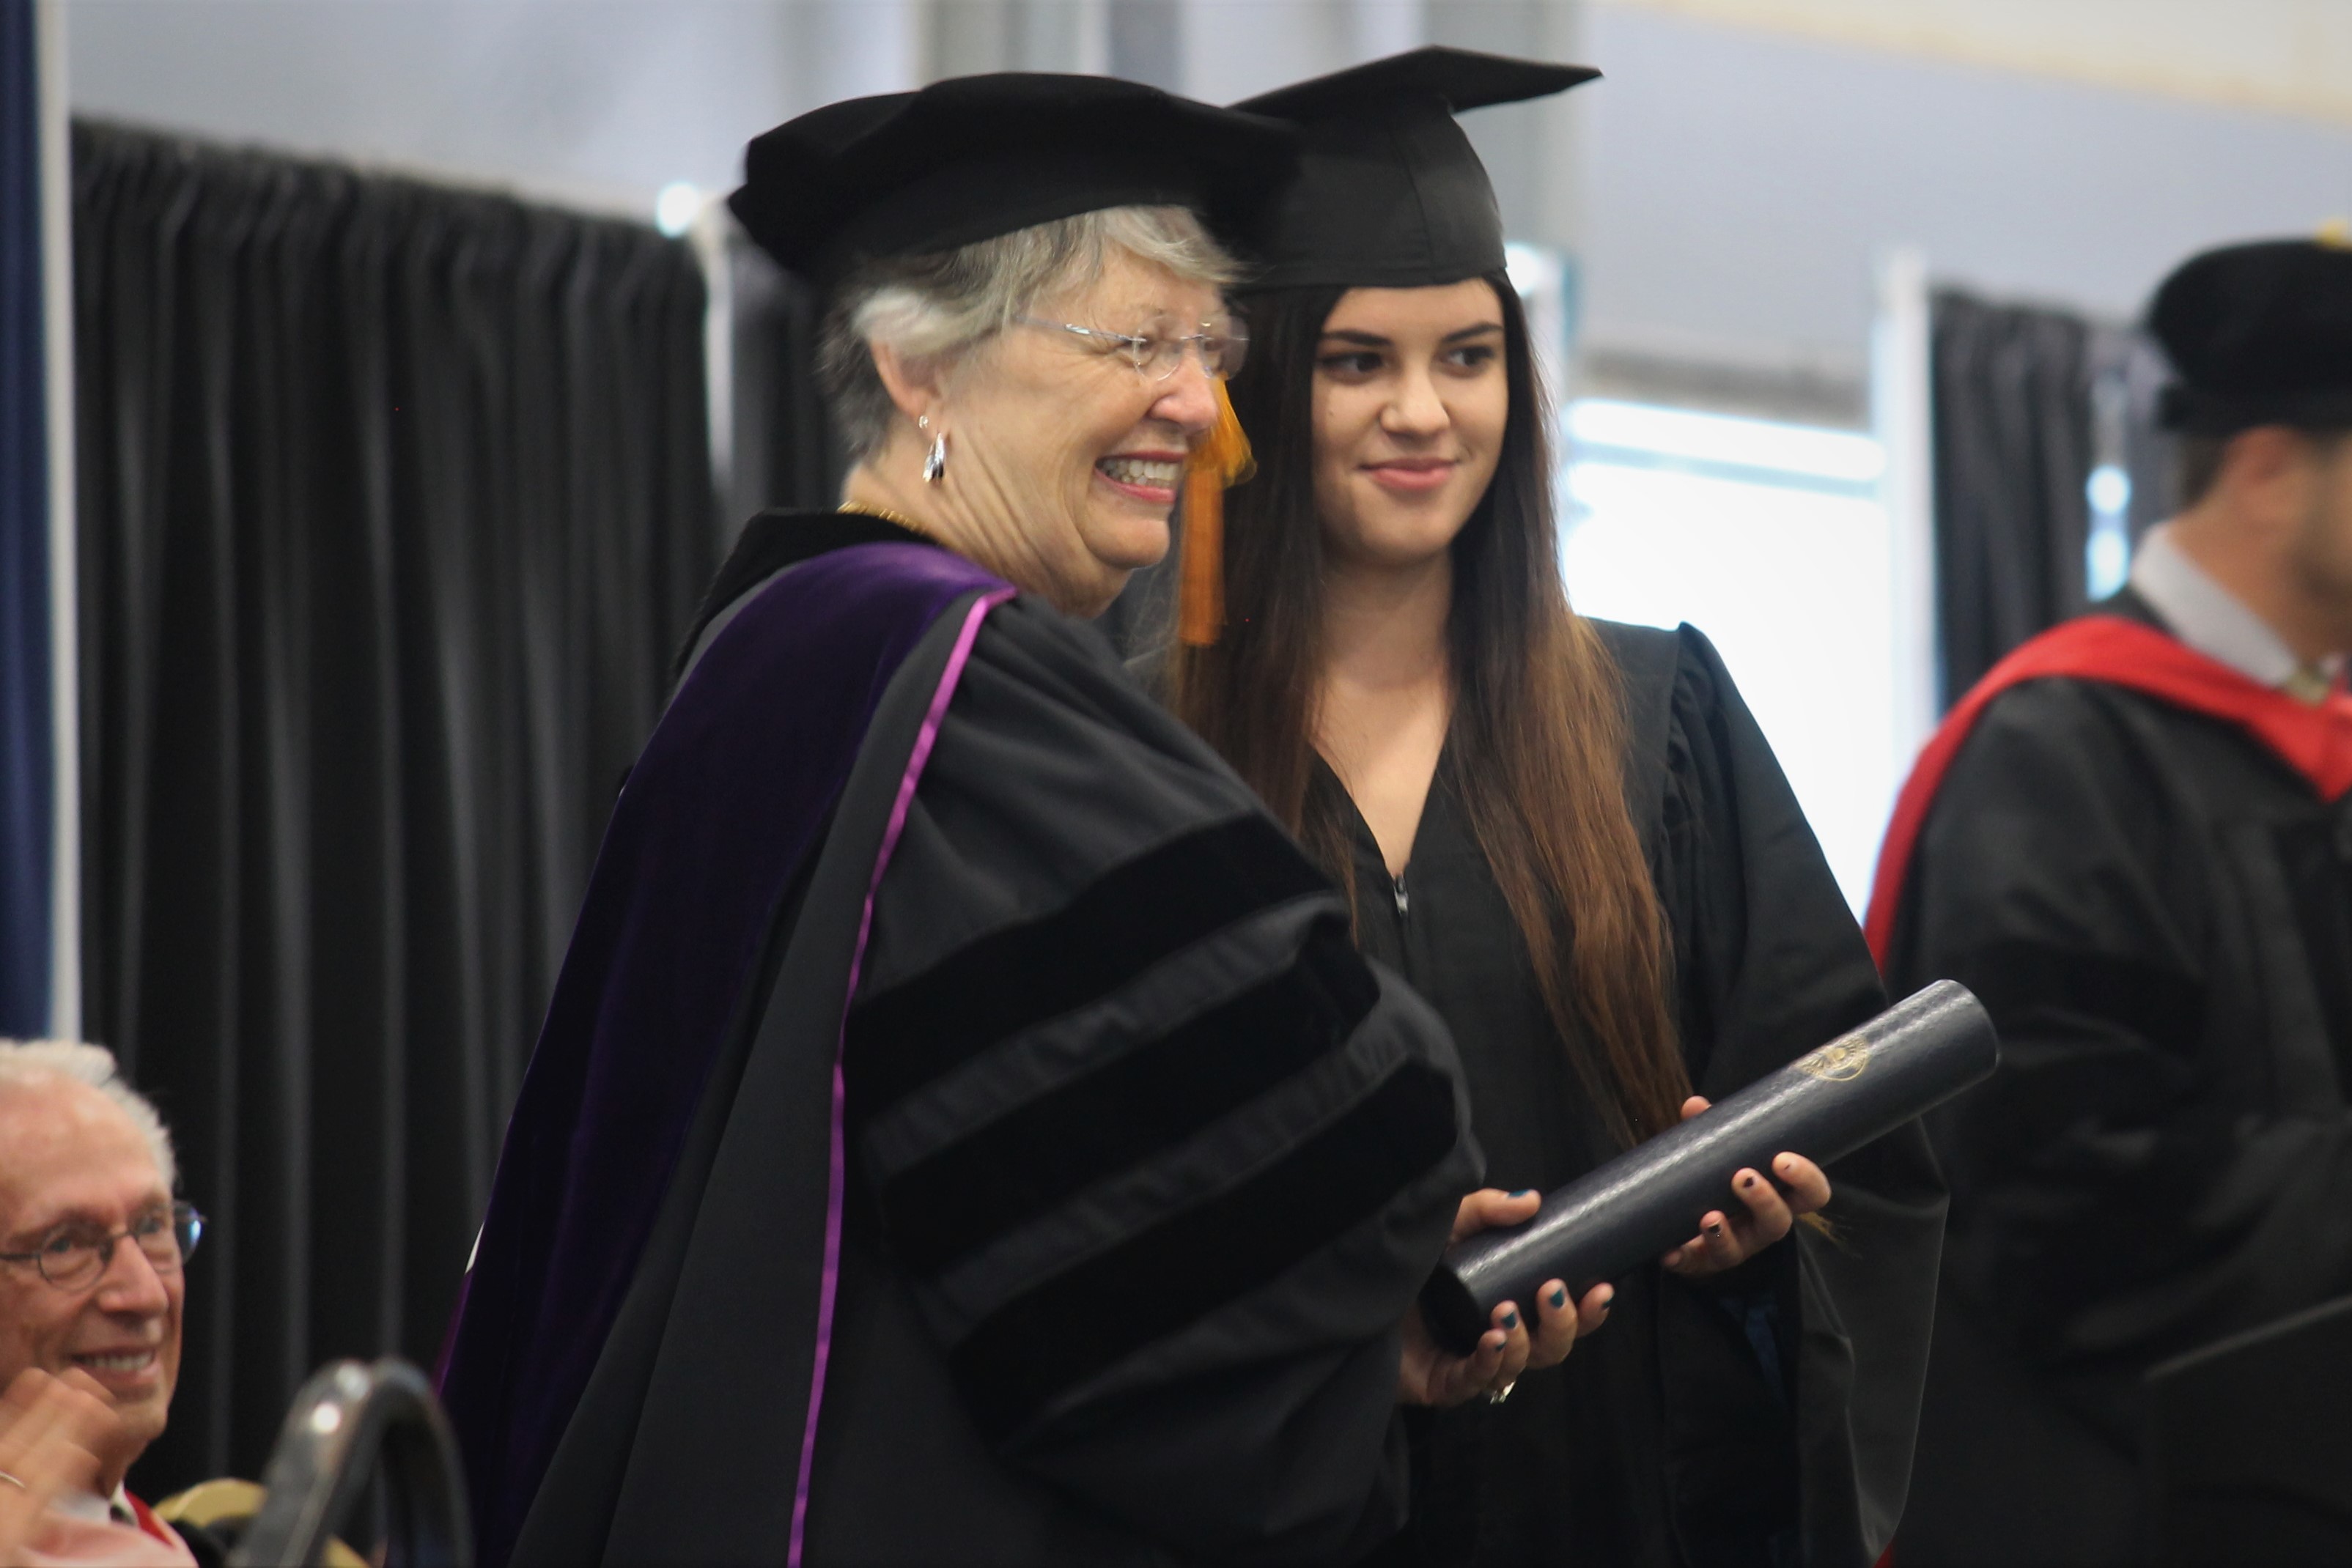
[92, 1248]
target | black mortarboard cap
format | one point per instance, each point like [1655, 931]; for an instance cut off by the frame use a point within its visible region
[1389, 192]
[2258, 334]
[973, 157]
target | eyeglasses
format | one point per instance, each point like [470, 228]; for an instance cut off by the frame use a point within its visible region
[1155, 351]
[73, 1257]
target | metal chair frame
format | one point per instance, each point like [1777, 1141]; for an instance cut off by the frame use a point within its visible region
[349, 1419]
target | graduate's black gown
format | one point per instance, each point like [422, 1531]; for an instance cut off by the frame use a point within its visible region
[2158, 914]
[1762, 1418]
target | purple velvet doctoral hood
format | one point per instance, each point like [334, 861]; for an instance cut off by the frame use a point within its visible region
[729, 801]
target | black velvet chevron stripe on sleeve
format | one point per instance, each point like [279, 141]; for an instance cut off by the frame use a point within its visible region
[1135, 915]
[1139, 1103]
[1087, 1318]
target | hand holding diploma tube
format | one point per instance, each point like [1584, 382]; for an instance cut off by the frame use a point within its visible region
[1768, 1201]
[1513, 1341]
[1825, 1105]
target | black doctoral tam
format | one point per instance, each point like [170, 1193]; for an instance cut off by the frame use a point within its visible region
[912, 173]
[2259, 334]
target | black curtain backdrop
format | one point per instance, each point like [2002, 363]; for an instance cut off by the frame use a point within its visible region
[2014, 450]
[786, 451]
[394, 503]
[2131, 370]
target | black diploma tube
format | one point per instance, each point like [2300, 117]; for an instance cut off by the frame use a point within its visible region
[1825, 1104]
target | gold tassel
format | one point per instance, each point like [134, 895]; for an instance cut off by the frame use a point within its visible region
[1223, 459]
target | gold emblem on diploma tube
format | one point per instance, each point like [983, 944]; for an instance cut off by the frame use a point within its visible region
[1838, 1061]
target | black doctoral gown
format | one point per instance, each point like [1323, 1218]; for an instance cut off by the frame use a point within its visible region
[2159, 913]
[1762, 1418]
[1143, 1163]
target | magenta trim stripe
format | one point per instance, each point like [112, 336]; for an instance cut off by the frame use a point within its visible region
[924, 739]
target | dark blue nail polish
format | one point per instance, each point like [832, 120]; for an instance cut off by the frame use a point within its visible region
[1510, 1320]
[1560, 1296]
[1523, 1192]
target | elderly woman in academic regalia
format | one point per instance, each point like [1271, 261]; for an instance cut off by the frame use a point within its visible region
[963, 1130]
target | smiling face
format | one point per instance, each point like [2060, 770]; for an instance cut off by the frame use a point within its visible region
[1061, 454]
[1411, 400]
[68, 1155]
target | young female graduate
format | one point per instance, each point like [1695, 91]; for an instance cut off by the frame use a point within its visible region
[1572, 839]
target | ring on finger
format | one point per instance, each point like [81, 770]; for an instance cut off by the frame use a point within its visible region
[1497, 1396]
[20, 1486]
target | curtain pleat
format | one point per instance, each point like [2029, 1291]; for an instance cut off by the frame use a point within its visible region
[2137, 366]
[395, 501]
[786, 451]
[2013, 452]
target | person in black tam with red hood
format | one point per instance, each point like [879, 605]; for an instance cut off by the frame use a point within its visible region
[1573, 839]
[2134, 840]
[962, 1131]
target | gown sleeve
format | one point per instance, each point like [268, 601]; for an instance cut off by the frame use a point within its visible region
[1769, 964]
[2136, 1180]
[1164, 1159]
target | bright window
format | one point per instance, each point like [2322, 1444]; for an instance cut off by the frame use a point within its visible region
[1770, 538]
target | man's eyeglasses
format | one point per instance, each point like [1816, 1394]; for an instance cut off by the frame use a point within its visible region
[1157, 350]
[73, 1257]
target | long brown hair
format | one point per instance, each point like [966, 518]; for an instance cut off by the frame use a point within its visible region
[1538, 731]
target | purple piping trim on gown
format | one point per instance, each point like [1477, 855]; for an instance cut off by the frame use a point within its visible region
[916, 758]
[723, 806]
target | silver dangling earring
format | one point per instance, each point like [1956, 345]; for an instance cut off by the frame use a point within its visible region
[935, 462]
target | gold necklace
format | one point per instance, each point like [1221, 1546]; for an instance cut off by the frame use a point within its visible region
[888, 516]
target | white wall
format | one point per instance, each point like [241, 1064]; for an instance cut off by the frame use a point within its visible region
[1739, 182]
[1727, 185]
[600, 100]
[2289, 56]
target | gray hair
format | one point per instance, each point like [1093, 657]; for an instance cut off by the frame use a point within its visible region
[32, 1063]
[935, 308]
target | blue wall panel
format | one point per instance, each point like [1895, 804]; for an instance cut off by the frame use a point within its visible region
[27, 777]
